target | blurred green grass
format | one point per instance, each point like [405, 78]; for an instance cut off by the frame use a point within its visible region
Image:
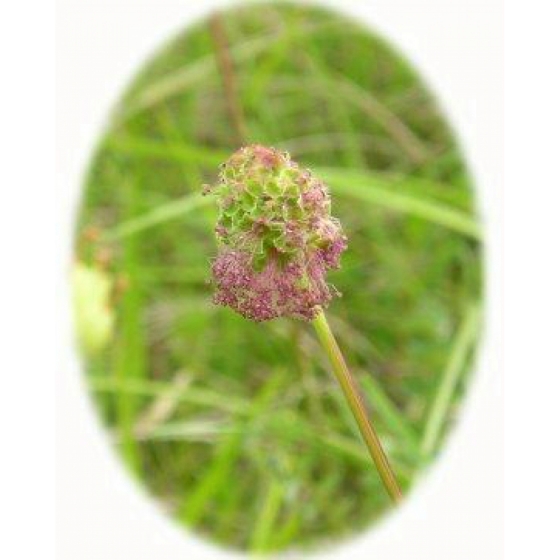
[239, 429]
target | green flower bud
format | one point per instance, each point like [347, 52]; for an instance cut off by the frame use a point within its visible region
[93, 315]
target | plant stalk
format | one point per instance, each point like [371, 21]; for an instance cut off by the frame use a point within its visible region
[352, 394]
[227, 72]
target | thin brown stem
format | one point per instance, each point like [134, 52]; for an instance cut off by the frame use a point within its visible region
[227, 72]
[352, 394]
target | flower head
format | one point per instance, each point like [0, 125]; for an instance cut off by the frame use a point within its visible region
[277, 239]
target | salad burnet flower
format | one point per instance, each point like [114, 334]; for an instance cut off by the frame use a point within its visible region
[276, 237]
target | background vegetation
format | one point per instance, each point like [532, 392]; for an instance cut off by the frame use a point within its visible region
[238, 429]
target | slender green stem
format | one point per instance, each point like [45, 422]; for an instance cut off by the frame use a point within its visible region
[352, 394]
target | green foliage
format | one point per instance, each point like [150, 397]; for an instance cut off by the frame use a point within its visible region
[239, 429]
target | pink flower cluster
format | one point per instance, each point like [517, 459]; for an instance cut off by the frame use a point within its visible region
[290, 290]
[277, 238]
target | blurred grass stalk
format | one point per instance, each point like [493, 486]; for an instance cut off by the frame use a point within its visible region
[352, 394]
[439, 411]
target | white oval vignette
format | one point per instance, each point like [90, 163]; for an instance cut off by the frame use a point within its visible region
[455, 512]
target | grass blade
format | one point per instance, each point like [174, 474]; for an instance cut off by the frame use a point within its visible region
[369, 187]
[180, 152]
[439, 411]
[193, 395]
[129, 354]
[173, 210]
[266, 521]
